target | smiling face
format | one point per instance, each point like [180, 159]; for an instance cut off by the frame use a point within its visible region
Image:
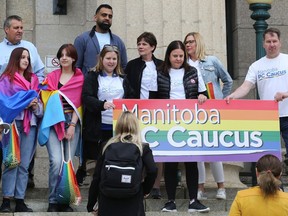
[176, 58]
[24, 61]
[65, 60]
[110, 62]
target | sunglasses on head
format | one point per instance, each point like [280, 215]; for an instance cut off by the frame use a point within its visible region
[112, 47]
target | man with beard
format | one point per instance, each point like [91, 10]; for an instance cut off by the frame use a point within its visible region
[90, 43]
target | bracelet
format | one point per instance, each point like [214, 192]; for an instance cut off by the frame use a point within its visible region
[72, 124]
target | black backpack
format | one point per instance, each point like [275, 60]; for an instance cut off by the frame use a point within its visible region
[121, 174]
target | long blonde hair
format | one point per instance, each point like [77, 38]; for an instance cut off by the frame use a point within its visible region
[200, 45]
[127, 130]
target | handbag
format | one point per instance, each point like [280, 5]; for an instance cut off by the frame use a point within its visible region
[67, 189]
[11, 147]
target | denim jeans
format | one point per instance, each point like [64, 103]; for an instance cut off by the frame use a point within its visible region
[55, 155]
[14, 181]
[284, 131]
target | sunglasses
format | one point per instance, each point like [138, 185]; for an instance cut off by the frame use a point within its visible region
[111, 47]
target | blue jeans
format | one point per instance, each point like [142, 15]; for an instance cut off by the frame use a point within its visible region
[55, 155]
[14, 181]
[284, 131]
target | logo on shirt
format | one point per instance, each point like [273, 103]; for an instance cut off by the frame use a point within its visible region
[193, 81]
[270, 73]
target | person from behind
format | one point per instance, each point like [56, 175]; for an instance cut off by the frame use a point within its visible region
[265, 199]
[126, 144]
[142, 75]
[214, 75]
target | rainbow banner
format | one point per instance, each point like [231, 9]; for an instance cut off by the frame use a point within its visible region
[11, 147]
[183, 130]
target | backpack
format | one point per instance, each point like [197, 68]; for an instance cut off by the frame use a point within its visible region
[121, 174]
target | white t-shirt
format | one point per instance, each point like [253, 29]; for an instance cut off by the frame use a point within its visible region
[177, 88]
[271, 76]
[149, 80]
[110, 87]
[103, 39]
[195, 64]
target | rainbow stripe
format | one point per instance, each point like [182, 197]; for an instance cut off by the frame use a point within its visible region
[210, 90]
[11, 147]
[67, 189]
[203, 132]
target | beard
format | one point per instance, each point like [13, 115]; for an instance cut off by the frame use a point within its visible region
[104, 26]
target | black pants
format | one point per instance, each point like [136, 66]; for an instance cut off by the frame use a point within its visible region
[170, 175]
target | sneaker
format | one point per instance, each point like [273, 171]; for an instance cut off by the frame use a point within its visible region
[196, 206]
[155, 193]
[221, 194]
[21, 206]
[5, 207]
[201, 195]
[80, 176]
[170, 206]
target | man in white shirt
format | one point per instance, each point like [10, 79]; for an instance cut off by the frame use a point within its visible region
[270, 73]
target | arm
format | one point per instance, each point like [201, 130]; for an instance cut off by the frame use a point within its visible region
[79, 44]
[89, 94]
[69, 134]
[224, 76]
[241, 91]
[150, 168]
[94, 187]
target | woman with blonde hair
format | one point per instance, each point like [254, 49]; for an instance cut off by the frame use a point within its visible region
[104, 83]
[266, 198]
[127, 133]
[213, 73]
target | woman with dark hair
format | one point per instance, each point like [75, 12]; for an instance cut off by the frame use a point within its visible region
[178, 80]
[142, 75]
[267, 198]
[62, 100]
[103, 83]
[19, 84]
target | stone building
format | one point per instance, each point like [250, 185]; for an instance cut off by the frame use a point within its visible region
[225, 24]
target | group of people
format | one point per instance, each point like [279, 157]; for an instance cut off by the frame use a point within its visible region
[72, 109]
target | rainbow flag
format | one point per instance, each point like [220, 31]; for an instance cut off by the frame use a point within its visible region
[67, 189]
[210, 90]
[11, 147]
[183, 130]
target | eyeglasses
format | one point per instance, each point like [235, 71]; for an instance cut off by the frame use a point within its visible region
[189, 42]
[111, 47]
